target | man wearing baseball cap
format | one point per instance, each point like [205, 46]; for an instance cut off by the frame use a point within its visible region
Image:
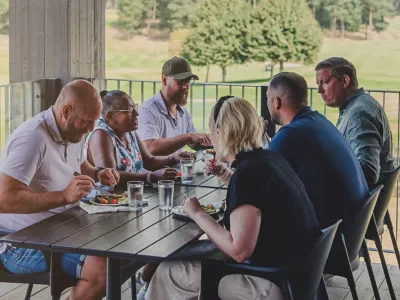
[165, 126]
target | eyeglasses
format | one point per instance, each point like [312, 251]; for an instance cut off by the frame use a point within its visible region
[128, 110]
[189, 81]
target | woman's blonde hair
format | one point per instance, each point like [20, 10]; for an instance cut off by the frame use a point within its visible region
[240, 127]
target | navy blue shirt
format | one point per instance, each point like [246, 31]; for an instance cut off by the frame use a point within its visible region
[264, 180]
[325, 163]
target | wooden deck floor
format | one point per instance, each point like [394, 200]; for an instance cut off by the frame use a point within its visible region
[337, 287]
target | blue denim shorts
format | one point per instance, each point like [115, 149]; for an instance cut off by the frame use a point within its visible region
[28, 261]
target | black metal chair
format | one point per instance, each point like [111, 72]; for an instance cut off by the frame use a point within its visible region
[350, 244]
[382, 217]
[55, 277]
[297, 280]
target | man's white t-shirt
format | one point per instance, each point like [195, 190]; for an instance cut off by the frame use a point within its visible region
[36, 155]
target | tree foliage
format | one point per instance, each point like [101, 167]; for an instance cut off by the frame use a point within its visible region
[178, 14]
[219, 34]
[284, 31]
[130, 16]
[4, 16]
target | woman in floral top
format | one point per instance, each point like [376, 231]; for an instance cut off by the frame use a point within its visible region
[114, 143]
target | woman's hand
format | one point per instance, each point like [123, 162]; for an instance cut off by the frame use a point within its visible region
[108, 176]
[176, 157]
[164, 174]
[191, 206]
[215, 167]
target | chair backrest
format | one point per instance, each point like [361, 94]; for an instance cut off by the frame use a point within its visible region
[306, 275]
[354, 230]
[385, 196]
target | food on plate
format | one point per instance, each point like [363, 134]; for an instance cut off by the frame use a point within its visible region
[209, 208]
[112, 199]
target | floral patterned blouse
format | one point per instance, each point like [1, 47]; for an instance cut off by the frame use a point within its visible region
[128, 159]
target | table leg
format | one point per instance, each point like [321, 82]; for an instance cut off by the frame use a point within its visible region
[113, 279]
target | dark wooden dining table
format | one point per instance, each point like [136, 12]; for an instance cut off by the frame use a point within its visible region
[149, 235]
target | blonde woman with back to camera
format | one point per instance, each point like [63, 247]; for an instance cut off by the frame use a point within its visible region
[268, 212]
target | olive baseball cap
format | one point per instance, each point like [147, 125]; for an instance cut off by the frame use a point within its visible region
[178, 68]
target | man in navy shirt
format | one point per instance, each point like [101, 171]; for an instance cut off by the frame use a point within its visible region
[316, 150]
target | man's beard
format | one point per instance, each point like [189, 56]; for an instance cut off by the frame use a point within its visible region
[178, 99]
[71, 133]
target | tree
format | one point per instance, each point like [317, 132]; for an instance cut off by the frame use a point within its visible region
[130, 16]
[4, 16]
[181, 12]
[345, 12]
[219, 34]
[283, 31]
[314, 4]
[374, 13]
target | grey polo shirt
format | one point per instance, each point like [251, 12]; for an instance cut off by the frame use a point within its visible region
[36, 155]
[156, 122]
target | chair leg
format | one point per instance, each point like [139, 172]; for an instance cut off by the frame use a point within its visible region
[393, 237]
[382, 257]
[322, 292]
[133, 288]
[352, 285]
[29, 292]
[367, 259]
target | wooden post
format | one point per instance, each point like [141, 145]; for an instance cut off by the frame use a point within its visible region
[56, 39]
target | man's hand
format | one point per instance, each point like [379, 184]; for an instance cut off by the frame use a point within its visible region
[79, 187]
[191, 206]
[108, 176]
[201, 139]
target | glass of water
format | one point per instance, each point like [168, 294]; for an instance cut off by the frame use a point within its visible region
[135, 194]
[166, 194]
[187, 170]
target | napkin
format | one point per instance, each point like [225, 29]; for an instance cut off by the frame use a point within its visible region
[96, 209]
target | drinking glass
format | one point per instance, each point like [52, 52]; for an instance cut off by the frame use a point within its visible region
[135, 194]
[166, 194]
[187, 170]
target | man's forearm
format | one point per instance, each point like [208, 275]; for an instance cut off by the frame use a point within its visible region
[28, 202]
[88, 170]
[167, 146]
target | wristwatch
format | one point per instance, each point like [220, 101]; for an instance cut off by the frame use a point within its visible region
[98, 169]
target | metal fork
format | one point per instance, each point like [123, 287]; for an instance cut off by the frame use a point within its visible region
[102, 191]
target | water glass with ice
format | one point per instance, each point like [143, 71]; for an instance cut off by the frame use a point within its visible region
[166, 194]
[135, 194]
[187, 170]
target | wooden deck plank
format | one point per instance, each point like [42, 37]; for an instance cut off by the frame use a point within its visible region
[363, 283]
[395, 276]
[40, 292]
[19, 293]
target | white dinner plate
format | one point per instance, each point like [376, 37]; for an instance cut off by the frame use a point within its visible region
[93, 201]
[178, 210]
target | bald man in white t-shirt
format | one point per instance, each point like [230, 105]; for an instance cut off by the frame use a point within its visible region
[37, 180]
